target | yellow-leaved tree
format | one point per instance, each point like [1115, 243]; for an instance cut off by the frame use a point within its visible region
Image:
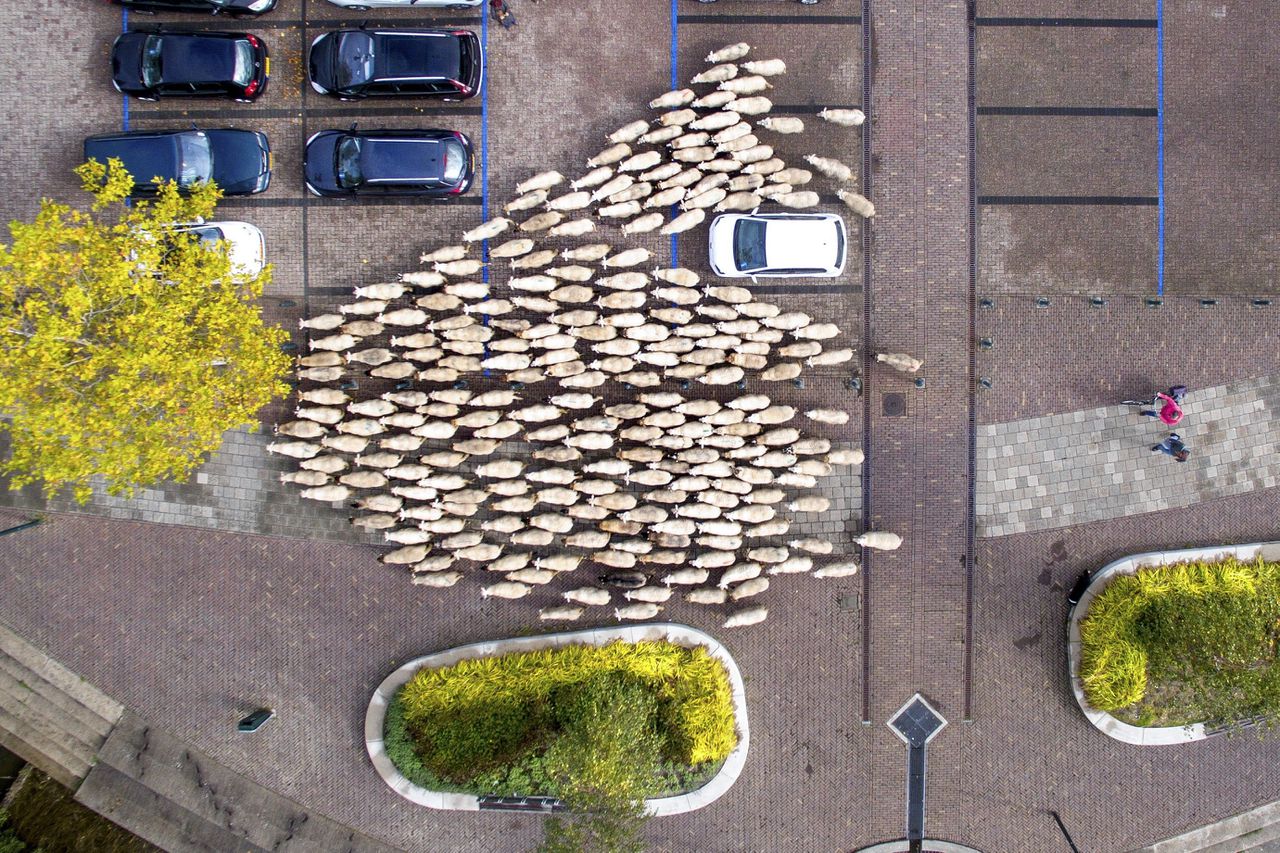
[127, 347]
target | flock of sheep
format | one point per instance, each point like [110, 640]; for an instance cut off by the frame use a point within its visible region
[538, 474]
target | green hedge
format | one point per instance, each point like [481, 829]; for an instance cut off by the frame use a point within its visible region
[1187, 643]
[488, 725]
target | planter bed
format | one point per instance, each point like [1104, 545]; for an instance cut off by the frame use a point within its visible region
[486, 720]
[1165, 647]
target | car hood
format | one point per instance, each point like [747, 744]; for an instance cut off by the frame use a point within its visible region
[145, 157]
[241, 161]
[319, 164]
[320, 62]
[126, 61]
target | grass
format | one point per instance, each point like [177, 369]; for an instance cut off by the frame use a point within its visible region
[492, 725]
[46, 816]
[1187, 643]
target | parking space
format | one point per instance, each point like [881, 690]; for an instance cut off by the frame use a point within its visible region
[1068, 148]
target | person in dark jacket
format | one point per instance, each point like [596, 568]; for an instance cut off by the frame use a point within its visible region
[1174, 447]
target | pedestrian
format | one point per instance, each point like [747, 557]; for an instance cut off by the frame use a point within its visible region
[1170, 412]
[1174, 447]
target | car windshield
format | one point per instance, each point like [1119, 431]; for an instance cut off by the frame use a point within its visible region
[349, 174]
[151, 64]
[353, 63]
[244, 63]
[455, 161]
[748, 244]
[195, 159]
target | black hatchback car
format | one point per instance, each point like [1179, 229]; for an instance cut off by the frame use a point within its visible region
[238, 161]
[234, 8]
[389, 162]
[188, 64]
[445, 64]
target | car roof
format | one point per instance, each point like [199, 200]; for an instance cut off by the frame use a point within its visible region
[196, 58]
[392, 160]
[800, 243]
[401, 55]
[143, 155]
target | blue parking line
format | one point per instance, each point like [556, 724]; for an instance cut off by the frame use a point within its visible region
[484, 134]
[124, 27]
[1160, 147]
[675, 62]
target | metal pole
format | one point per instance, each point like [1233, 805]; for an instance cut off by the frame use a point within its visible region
[23, 526]
[1058, 819]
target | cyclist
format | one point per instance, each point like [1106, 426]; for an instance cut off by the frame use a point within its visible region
[1170, 412]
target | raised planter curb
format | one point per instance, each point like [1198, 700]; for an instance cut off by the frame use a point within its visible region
[681, 635]
[1101, 720]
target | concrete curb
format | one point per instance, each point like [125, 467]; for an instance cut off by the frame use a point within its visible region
[1101, 720]
[682, 635]
[930, 845]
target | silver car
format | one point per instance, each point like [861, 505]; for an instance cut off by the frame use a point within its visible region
[777, 245]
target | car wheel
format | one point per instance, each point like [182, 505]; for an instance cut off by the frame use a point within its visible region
[808, 2]
[451, 100]
[706, 1]
[358, 8]
[459, 7]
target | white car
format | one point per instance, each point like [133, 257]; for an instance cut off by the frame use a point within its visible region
[245, 247]
[777, 245]
[357, 5]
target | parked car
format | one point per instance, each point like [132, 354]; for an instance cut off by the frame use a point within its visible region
[356, 5]
[234, 8]
[777, 245]
[238, 161]
[246, 248]
[389, 162]
[149, 65]
[350, 64]
[801, 2]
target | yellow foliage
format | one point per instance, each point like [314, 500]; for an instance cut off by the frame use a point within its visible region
[126, 350]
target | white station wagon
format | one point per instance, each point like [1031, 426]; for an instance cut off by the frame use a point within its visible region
[357, 5]
[777, 245]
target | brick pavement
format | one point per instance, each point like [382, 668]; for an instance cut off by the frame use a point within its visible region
[1064, 469]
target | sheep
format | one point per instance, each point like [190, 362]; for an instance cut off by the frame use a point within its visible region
[644, 224]
[694, 154]
[685, 221]
[653, 594]
[677, 118]
[880, 540]
[831, 168]
[624, 281]
[294, 449]
[574, 228]
[783, 124]
[845, 457]
[817, 331]
[683, 178]
[320, 359]
[704, 200]
[334, 343]
[346, 443]
[837, 570]
[765, 67]
[749, 588]
[487, 230]
[542, 221]
[560, 614]
[300, 429]
[717, 121]
[748, 616]
[859, 204]
[596, 176]
[716, 74]
[685, 577]
[660, 135]
[363, 328]
[393, 290]
[527, 201]
[739, 201]
[570, 201]
[470, 266]
[844, 118]
[752, 106]
[322, 323]
[900, 361]
[629, 258]
[540, 181]
[797, 200]
[588, 595]
[629, 132]
[830, 357]
[423, 278]
[745, 85]
[436, 580]
[755, 154]
[714, 100]
[610, 155]
[506, 589]
[765, 167]
[462, 290]
[675, 98]
[589, 252]
[445, 253]
[646, 610]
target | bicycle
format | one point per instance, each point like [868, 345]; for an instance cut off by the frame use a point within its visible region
[1177, 392]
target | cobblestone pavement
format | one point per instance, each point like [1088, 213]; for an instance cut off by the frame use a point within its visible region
[1064, 469]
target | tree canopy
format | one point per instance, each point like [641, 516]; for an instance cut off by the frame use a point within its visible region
[126, 348]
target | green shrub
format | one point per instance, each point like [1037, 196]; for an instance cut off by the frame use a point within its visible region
[1192, 642]
[480, 721]
[9, 842]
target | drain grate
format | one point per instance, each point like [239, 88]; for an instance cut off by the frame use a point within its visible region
[848, 602]
[916, 723]
[894, 405]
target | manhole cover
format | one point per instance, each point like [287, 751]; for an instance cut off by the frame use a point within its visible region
[848, 602]
[916, 722]
[895, 405]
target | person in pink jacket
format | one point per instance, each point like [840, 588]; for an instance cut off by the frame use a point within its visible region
[1170, 413]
